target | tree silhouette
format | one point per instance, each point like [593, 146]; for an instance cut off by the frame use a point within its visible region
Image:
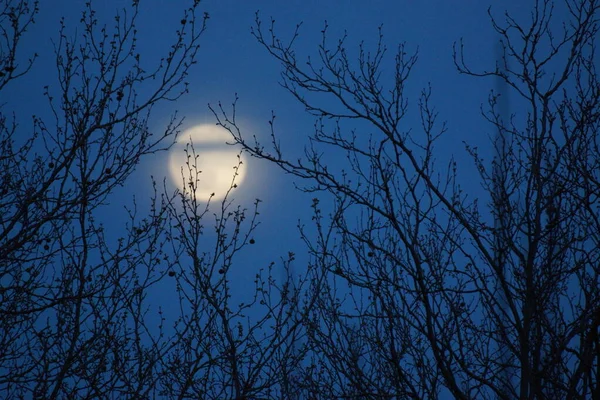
[79, 316]
[431, 291]
[416, 288]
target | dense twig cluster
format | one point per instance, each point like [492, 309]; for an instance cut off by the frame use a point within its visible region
[79, 312]
[445, 295]
[414, 289]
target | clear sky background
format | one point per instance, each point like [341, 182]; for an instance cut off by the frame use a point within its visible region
[231, 61]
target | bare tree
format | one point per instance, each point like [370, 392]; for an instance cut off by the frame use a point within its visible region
[72, 299]
[226, 348]
[79, 315]
[416, 302]
[414, 289]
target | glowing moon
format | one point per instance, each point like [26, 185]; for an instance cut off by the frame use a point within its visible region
[212, 163]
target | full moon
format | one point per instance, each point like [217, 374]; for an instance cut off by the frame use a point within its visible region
[212, 163]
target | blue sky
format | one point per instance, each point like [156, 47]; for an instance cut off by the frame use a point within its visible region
[232, 64]
[231, 61]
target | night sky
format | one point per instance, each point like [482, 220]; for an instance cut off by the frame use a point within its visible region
[472, 257]
[231, 62]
